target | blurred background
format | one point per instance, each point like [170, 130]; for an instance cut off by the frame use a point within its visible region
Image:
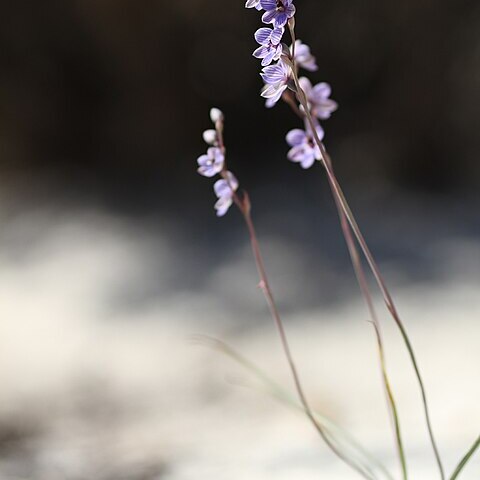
[111, 256]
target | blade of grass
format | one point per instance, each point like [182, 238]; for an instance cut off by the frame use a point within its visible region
[369, 463]
[465, 459]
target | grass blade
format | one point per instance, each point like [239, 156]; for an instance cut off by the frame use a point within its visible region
[465, 459]
[338, 436]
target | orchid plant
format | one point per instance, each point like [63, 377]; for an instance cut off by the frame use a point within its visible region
[281, 64]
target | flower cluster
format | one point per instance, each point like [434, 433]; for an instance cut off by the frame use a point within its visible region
[213, 163]
[282, 75]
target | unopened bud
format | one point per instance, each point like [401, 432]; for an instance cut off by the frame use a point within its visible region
[216, 115]
[210, 137]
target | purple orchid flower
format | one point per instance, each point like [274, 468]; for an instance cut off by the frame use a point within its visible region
[211, 163]
[304, 148]
[304, 58]
[270, 44]
[277, 12]
[253, 4]
[321, 105]
[276, 78]
[224, 190]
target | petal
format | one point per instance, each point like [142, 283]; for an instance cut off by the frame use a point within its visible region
[296, 154]
[202, 160]
[232, 181]
[207, 171]
[261, 52]
[308, 160]
[273, 74]
[320, 132]
[221, 188]
[269, 57]
[281, 19]
[322, 90]
[222, 205]
[278, 52]
[269, 16]
[262, 35]
[271, 91]
[276, 35]
[269, 103]
[301, 49]
[278, 95]
[305, 85]
[268, 4]
[325, 110]
[296, 137]
[290, 10]
[212, 152]
[310, 65]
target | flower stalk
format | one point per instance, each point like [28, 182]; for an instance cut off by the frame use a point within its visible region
[341, 202]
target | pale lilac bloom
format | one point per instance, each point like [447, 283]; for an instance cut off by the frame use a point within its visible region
[211, 163]
[320, 104]
[304, 148]
[277, 12]
[276, 78]
[253, 4]
[270, 44]
[304, 58]
[224, 190]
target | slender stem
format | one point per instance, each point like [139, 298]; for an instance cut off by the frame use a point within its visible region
[342, 202]
[361, 279]
[244, 207]
[360, 274]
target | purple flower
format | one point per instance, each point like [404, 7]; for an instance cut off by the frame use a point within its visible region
[211, 163]
[318, 97]
[224, 190]
[277, 12]
[270, 46]
[304, 148]
[304, 58]
[253, 4]
[276, 78]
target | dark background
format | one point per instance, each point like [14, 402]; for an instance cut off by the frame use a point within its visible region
[109, 98]
[103, 104]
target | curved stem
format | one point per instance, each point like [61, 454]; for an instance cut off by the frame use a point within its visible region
[244, 207]
[342, 202]
[360, 275]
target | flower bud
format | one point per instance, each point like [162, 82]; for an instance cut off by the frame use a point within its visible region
[216, 115]
[210, 137]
